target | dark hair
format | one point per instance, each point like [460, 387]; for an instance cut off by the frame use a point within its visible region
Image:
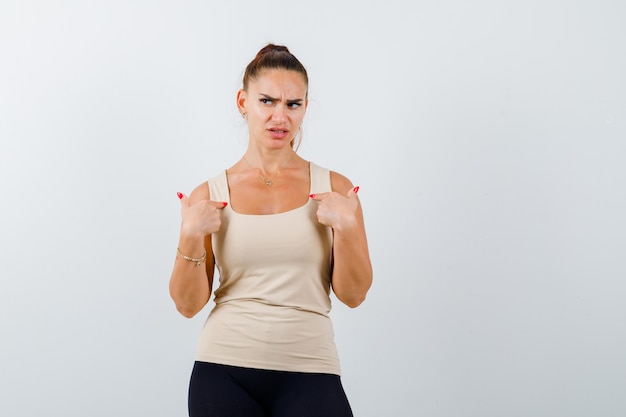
[273, 57]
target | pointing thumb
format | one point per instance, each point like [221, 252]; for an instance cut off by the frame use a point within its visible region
[183, 199]
[352, 192]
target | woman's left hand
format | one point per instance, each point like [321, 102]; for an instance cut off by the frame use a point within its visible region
[335, 210]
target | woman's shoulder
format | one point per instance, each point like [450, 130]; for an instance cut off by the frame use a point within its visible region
[201, 192]
[340, 183]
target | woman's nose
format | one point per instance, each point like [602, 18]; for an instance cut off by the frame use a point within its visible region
[280, 113]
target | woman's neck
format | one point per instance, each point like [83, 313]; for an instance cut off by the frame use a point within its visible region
[269, 162]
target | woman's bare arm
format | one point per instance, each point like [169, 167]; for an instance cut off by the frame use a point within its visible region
[352, 268]
[190, 284]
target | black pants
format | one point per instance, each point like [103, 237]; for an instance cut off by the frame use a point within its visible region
[231, 391]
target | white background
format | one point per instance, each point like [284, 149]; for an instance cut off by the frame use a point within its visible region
[488, 141]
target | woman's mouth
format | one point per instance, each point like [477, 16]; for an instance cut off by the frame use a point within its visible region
[277, 133]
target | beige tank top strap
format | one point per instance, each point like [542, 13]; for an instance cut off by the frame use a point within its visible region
[218, 187]
[320, 179]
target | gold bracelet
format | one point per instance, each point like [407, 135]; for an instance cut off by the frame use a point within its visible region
[198, 261]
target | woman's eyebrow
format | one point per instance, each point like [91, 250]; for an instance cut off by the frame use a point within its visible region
[294, 100]
[268, 97]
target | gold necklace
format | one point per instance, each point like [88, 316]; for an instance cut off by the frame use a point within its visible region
[267, 181]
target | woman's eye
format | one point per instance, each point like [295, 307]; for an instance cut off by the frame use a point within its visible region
[293, 105]
[266, 101]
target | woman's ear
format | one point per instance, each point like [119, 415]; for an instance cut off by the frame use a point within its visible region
[241, 102]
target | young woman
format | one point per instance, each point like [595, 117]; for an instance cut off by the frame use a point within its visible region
[282, 232]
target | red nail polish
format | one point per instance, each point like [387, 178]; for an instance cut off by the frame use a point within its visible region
[311, 195]
[356, 189]
[179, 195]
[225, 203]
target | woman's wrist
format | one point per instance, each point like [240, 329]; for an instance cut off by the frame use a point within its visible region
[347, 225]
[191, 233]
[191, 244]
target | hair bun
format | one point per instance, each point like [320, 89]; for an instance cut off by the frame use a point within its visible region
[270, 47]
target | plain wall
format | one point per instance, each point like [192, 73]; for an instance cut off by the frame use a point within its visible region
[488, 139]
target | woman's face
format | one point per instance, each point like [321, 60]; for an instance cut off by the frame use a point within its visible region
[274, 105]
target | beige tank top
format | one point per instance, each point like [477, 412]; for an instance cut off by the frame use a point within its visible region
[273, 300]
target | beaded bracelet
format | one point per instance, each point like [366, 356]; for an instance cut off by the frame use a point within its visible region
[198, 261]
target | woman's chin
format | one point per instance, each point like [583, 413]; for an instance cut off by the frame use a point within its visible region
[279, 143]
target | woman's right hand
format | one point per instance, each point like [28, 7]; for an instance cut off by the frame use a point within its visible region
[201, 218]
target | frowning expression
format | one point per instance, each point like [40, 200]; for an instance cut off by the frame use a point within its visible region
[274, 104]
